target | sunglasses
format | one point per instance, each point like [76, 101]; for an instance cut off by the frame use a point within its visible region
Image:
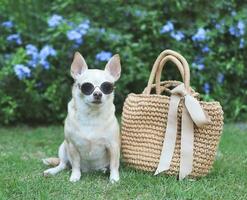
[88, 88]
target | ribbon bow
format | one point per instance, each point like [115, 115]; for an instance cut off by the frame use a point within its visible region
[191, 112]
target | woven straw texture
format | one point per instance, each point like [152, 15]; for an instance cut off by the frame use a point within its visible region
[144, 122]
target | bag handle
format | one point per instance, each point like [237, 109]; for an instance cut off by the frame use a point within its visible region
[161, 66]
[158, 84]
[178, 60]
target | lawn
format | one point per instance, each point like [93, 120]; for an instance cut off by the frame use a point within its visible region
[22, 148]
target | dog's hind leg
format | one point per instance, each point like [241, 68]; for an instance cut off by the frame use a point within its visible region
[62, 164]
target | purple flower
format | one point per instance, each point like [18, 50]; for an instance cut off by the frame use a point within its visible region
[82, 31]
[76, 35]
[138, 13]
[200, 35]
[167, 27]
[177, 35]
[79, 41]
[220, 26]
[104, 56]
[32, 51]
[14, 38]
[220, 78]
[34, 60]
[73, 35]
[198, 63]
[241, 44]
[54, 20]
[71, 24]
[206, 88]
[205, 49]
[233, 31]
[22, 71]
[114, 37]
[46, 51]
[241, 27]
[102, 30]
[83, 27]
[33, 63]
[40, 57]
[199, 66]
[8, 24]
[44, 63]
[237, 30]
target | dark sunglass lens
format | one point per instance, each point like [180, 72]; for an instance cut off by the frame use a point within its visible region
[106, 87]
[87, 88]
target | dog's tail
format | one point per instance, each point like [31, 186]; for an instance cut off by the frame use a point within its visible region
[51, 161]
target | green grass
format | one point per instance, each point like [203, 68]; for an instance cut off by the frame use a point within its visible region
[22, 148]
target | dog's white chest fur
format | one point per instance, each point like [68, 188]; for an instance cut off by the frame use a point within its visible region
[92, 148]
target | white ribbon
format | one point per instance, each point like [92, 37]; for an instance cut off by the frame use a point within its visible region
[191, 112]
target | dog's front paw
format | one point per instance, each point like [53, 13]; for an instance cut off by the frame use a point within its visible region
[75, 176]
[114, 177]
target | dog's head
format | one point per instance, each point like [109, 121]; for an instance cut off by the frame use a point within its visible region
[95, 87]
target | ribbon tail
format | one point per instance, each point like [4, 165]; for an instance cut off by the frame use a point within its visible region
[170, 136]
[198, 115]
[187, 141]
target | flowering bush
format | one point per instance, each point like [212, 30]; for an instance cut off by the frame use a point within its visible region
[37, 47]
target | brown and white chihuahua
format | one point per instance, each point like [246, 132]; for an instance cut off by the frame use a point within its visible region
[92, 140]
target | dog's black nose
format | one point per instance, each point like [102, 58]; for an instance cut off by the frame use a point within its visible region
[97, 95]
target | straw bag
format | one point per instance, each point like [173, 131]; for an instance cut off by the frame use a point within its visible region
[175, 133]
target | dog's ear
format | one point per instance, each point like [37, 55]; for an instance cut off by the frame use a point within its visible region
[114, 67]
[78, 65]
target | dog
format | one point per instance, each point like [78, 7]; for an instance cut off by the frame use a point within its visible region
[92, 138]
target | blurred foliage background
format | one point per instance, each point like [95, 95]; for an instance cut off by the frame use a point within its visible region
[39, 37]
